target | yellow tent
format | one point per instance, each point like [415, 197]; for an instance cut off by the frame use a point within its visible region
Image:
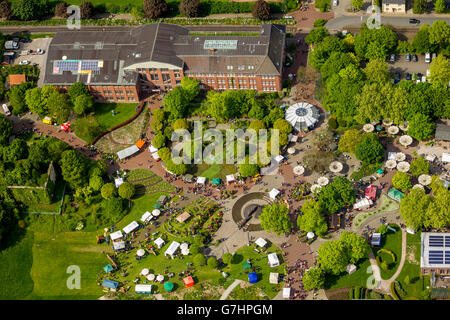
[47, 120]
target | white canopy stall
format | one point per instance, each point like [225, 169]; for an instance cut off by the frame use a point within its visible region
[273, 278]
[273, 260]
[279, 158]
[118, 245]
[230, 178]
[156, 212]
[172, 248]
[118, 181]
[362, 204]
[116, 235]
[274, 193]
[146, 217]
[152, 149]
[143, 289]
[131, 227]
[125, 153]
[302, 116]
[286, 293]
[445, 157]
[201, 180]
[159, 242]
[299, 170]
[261, 242]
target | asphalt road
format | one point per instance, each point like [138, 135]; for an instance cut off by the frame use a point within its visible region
[355, 21]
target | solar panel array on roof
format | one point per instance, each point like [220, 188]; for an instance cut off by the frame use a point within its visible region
[436, 257]
[90, 65]
[447, 241]
[447, 257]
[220, 44]
[436, 241]
[67, 65]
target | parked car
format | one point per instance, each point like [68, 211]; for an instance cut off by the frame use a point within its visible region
[414, 57]
[408, 76]
[427, 57]
[428, 72]
[392, 58]
[40, 51]
[414, 21]
[408, 57]
[24, 52]
[24, 62]
[335, 3]
[397, 77]
[6, 109]
[419, 76]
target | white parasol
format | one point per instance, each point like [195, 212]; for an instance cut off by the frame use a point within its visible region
[387, 123]
[391, 164]
[160, 278]
[336, 166]
[315, 187]
[156, 212]
[405, 140]
[424, 179]
[291, 150]
[400, 156]
[403, 166]
[404, 126]
[418, 186]
[299, 170]
[393, 130]
[322, 181]
[140, 252]
[145, 271]
[368, 127]
[184, 246]
[151, 277]
[310, 235]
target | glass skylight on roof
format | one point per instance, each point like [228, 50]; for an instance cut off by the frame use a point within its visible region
[220, 44]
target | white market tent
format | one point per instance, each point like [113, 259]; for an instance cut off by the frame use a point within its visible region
[291, 150]
[230, 178]
[279, 158]
[336, 166]
[404, 126]
[156, 212]
[172, 248]
[299, 170]
[159, 242]
[391, 155]
[143, 288]
[351, 268]
[445, 157]
[147, 216]
[125, 153]
[405, 140]
[368, 127]
[273, 260]
[387, 123]
[116, 235]
[201, 180]
[184, 245]
[431, 157]
[314, 187]
[131, 227]
[393, 130]
[118, 245]
[145, 272]
[118, 181]
[292, 138]
[152, 149]
[403, 166]
[155, 155]
[302, 116]
[274, 193]
[261, 242]
[418, 186]
[362, 204]
[310, 235]
[185, 251]
[273, 278]
[286, 293]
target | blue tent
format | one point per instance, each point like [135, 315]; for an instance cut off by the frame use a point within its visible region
[252, 277]
[110, 284]
[108, 268]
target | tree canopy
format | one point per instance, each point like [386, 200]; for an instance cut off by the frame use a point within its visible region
[311, 219]
[275, 218]
[369, 150]
[336, 195]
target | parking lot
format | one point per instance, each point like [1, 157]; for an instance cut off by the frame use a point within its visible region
[38, 59]
[402, 66]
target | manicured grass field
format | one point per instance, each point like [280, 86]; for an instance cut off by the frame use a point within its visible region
[56, 201]
[104, 117]
[214, 171]
[358, 278]
[53, 254]
[391, 241]
[15, 266]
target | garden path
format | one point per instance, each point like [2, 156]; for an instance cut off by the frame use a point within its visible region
[230, 288]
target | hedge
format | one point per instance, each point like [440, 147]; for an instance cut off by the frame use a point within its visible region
[389, 253]
[393, 293]
[357, 292]
[351, 294]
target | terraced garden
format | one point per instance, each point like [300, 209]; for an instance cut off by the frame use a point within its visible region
[147, 182]
[387, 205]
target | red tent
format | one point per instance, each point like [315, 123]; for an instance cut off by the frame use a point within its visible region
[65, 126]
[188, 282]
[371, 192]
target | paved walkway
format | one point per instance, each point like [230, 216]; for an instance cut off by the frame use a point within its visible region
[230, 288]
[159, 296]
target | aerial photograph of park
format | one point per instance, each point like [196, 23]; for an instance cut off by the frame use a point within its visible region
[225, 150]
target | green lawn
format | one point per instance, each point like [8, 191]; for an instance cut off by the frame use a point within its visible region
[15, 266]
[53, 254]
[411, 268]
[56, 201]
[214, 171]
[139, 207]
[104, 117]
[391, 241]
[357, 278]
[387, 205]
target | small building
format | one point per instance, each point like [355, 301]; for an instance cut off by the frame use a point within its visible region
[159, 243]
[394, 6]
[286, 293]
[131, 227]
[273, 260]
[274, 193]
[252, 277]
[188, 282]
[376, 240]
[442, 132]
[260, 242]
[183, 217]
[143, 289]
[395, 194]
[435, 253]
[351, 268]
[110, 284]
[172, 249]
[16, 79]
[273, 278]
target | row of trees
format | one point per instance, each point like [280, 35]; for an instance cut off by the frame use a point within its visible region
[420, 6]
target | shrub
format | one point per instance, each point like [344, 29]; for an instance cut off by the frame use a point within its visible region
[332, 123]
[199, 259]
[357, 292]
[320, 22]
[212, 263]
[342, 123]
[194, 249]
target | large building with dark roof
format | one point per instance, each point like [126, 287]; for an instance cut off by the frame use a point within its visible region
[119, 66]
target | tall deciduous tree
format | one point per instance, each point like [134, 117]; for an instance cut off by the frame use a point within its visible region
[190, 87]
[336, 195]
[311, 219]
[369, 150]
[357, 247]
[377, 70]
[5, 10]
[419, 6]
[314, 278]
[413, 208]
[275, 218]
[421, 127]
[61, 10]
[440, 70]
[419, 166]
[6, 130]
[73, 168]
[176, 103]
[154, 9]
[333, 257]
[189, 8]
[86, 10]
[349, 140]
[261, 10]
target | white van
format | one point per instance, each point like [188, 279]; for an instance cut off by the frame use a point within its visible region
[6, 109]
[427, 57]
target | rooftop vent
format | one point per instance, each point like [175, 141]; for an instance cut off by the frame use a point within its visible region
[171, 37]
[138, 55]
[64, 58]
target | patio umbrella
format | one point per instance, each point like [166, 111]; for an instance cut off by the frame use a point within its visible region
[405, 140]
[322, 181]
[400, 156]
[168, 286]
[404, 126]
[424, 179]
[403, 166]
[299, 170]
[145, 271]
[368, 127]
[418, 186]
[391, 164]
[336, 166]
[156, 212]
[310, 235]
[140, 252]
[387, 123]
[184, 246]
[185, 251]
[160, 278]
[291, 150]
[151, 277]
[393, 130]
[315, 187]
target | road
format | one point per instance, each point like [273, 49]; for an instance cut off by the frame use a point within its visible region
[355, 21]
